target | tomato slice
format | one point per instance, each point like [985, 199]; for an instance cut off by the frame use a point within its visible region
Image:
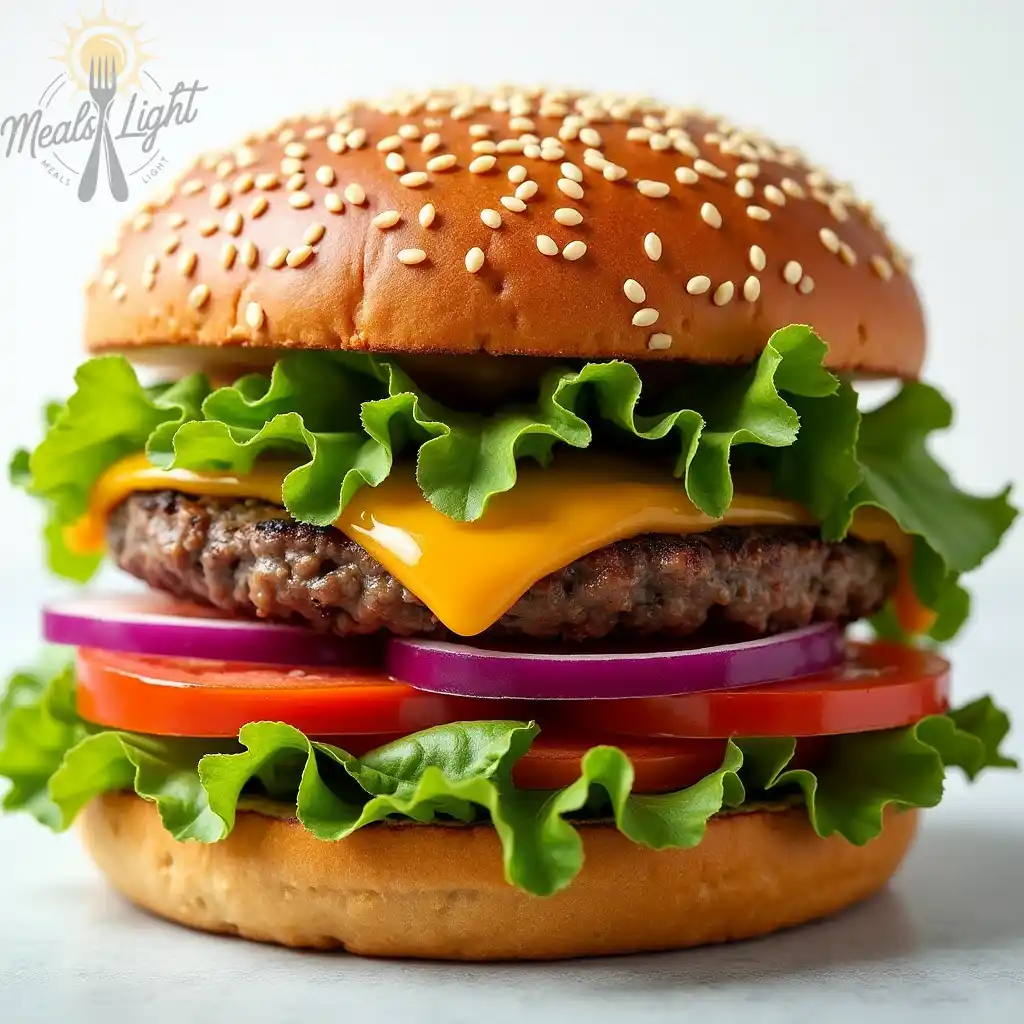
[880, 686]
[194, 697]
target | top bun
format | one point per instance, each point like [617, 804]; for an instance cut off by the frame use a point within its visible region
[517, 221]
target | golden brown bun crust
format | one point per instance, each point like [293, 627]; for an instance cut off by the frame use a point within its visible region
[352, 291]
[438, 892]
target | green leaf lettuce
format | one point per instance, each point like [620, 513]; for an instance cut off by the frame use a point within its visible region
[462, 772]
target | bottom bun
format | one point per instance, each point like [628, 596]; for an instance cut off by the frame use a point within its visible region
[436, 891]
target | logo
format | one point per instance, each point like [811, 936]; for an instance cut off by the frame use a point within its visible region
[99, 126]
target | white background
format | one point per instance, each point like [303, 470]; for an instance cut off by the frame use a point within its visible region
[917, 103]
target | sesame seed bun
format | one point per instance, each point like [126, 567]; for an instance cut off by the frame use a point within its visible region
[510, 222]
[409, 890]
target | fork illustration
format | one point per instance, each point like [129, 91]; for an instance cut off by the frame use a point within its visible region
[102, 89]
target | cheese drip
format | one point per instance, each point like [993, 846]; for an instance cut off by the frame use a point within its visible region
[470, 574]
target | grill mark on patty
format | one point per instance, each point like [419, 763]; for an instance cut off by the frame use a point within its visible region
[248, 557]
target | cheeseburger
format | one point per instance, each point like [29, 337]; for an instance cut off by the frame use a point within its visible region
[494, 466]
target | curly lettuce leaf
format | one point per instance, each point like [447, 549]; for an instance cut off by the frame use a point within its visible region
[463, 772]
[342, 419]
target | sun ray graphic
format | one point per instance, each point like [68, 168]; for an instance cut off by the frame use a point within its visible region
[104, 37]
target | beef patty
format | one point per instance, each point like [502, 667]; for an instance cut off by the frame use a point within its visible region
[250, 558]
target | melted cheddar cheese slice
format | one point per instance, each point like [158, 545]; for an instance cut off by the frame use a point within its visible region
[470, 574]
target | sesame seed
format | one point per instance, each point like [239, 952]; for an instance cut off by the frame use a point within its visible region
[249, 253]
[297, 256]
[758, 213]
[574, 250]
[792, 188]
[590, 137]
[314, 233]
[513, 204]
[254, 315]
[474, 259]
[333, 202]
[151, 265]
[567, 216]
[484, 146]
[227, 255]
[355, 194]
[409, 131]
[482, 164]
[431, 141]
[775, 195]
[748, 170]
[806, 286]
[744, 188]
[410, 257]
[258, 206]
[723, 293]
[325, 175]
[685, 146]
[510, 146]
[531, 151]
[638, 134]
[659, 341]
[395, 163]
[520, 124]
[594, 158]
[645, 317]
[199, 296]
[187, 262]
[792, 272]
[687, 176]
[277, 257]
[491, 218]
[517, 173]
[526, 190]
[708, 169]
[119, 292]
[445, 162]
[816, 179]
[829, 239]
[233, 222]
[757, 257]
[652, 246]
[266, 182]
[142, 221]
[652, 189]
[286, 136]
[386, 145]
[296, 182]
[571, 188]
[336, 143]
[659, 142]
[177, 220]
[356, 138]
[386, 219]
[547, 245]
[109, 277]
[479, 131]
[300, 200]
[297, 150]
[219, 196]
[847, 255]
[171, 244]
[751, 289]
[190, 188]
[698, 285]
[148, 281]
[634, 291]
[316, 132]
[244, 183]
[882, 267]
[613, 172]
[710, 215]
[208, 227]
[426, 215]
[414, 179]
[571, 171]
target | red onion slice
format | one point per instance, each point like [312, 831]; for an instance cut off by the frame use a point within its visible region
[153, 623]
[507, 673]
